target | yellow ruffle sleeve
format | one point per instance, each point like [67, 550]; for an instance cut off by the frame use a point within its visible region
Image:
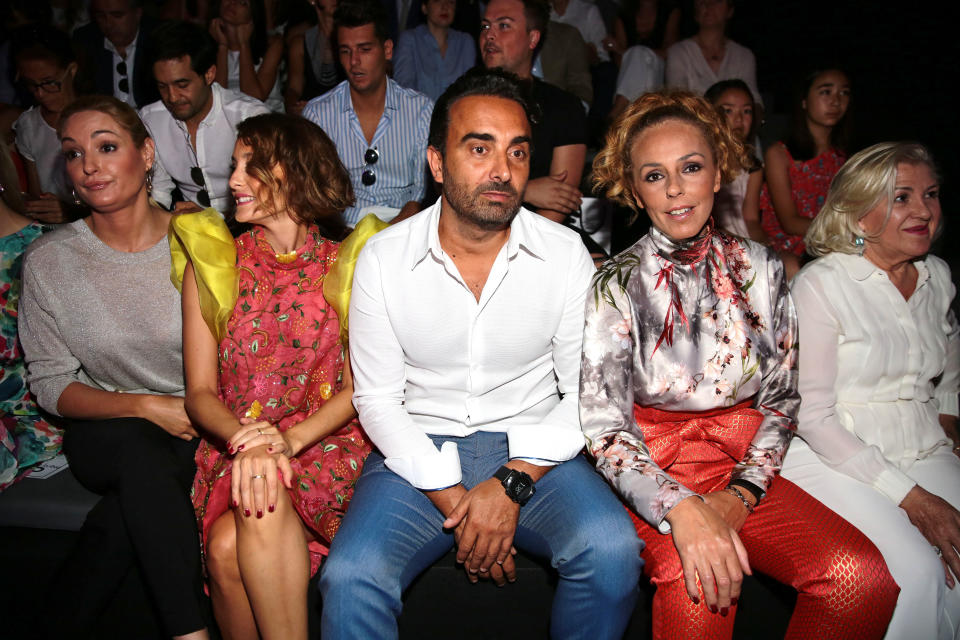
[339, 281]
[203, 239]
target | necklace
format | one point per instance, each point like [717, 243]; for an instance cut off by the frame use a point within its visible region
[286, 258]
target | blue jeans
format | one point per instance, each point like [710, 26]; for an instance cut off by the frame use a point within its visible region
[392, 533]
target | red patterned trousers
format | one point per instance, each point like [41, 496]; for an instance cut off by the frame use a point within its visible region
[844, 588]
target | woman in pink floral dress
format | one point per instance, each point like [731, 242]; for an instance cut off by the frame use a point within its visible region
[268, 383]
[688, 396]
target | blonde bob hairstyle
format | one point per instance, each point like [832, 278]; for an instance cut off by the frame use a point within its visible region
[868, 178]
[613, 167]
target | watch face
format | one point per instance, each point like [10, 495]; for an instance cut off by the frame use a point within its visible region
[524, 488]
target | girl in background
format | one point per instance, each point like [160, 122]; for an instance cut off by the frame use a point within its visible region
[737, 205]
[799, 169]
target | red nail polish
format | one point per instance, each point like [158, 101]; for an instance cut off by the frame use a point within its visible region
[733, 602]
[724, 611]
[696, 600]
[259, 513]
[713, 608]
[235, 503]
[246, 512]
[271, 508]
[240, 448]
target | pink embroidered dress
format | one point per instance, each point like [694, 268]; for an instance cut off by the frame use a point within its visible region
[282, 350]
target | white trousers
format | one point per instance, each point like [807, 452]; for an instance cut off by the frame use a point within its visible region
[926, 608]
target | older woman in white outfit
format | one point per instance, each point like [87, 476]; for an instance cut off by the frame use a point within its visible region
[879, 363]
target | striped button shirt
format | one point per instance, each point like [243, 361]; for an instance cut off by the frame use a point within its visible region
[400, 141]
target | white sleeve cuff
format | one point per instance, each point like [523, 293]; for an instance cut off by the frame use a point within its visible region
[538, 462]
[539, 442]
[894, 484]
[429, 472]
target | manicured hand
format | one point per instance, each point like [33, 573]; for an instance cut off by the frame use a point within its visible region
[710, 550]
[254, 483]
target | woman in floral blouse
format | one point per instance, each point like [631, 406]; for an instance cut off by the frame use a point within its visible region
[267, 379]
[688, 395]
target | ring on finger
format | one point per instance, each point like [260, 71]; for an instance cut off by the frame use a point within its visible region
[260, 431]
[939, 552]
[258, 475]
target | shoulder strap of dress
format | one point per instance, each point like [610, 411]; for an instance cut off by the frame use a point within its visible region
[339, 281]
[203, 239]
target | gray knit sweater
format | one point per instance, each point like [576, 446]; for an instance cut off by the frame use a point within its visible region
[105, 318]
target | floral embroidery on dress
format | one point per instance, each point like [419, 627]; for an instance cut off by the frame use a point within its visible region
[280, 360]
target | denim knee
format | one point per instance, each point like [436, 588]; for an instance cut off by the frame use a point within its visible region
[606, 551]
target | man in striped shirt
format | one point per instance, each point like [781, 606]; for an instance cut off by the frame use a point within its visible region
[379, 127]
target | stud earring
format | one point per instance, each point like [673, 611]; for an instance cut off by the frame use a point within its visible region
[858, 242]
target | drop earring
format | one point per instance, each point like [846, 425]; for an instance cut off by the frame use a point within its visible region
[76, 198]
[858, 242]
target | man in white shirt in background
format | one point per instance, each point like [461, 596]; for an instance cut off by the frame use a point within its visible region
[194, 124]
[465, 337]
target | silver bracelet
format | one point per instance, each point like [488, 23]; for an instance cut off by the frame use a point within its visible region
[735, 491]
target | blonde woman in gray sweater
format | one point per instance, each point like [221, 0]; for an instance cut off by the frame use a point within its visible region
[100, 327]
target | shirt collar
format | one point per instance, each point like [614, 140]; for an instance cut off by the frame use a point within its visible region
[391, 101]
[425, 238]
[216, 108]
[860, 268]
[130, 47]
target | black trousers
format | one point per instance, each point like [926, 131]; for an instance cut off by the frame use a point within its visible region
[145, 517]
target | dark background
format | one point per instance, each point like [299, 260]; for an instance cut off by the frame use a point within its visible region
[902, 60]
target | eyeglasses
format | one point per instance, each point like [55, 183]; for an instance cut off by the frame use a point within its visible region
[124, 83]
[47, 86]
[369, 176]
[202, 196]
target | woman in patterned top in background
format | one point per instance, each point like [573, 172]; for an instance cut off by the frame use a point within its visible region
[26, 438]
[688, 395]
[268, 381]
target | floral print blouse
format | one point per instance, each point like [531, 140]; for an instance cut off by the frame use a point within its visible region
[686, 327]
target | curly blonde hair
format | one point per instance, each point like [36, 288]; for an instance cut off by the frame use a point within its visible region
[613, 167]
[315, 187]
[868, 178]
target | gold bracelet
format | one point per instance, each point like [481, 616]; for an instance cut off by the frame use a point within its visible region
[734, 491]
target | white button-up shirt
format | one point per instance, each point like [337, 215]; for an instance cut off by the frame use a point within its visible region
[428, 358]
[216, 136]
[876, 370]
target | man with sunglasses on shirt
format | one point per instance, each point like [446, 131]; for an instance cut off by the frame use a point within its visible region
[194, 124]
[111, 52]
[379, 127]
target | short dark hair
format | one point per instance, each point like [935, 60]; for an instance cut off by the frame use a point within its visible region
[41, 42]
[356, 13]
[315, 187]
[537, 13]
[177, 38]
[478, 81]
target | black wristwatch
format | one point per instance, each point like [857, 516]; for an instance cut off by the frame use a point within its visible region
[517, 484]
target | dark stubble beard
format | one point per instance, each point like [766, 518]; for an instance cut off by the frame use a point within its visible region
[473, 208]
